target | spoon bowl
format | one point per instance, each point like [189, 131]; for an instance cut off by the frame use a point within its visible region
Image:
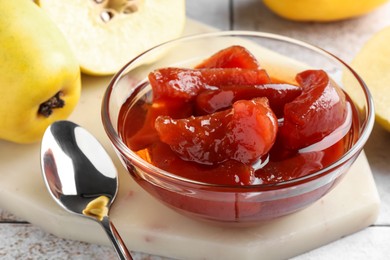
[81, 176]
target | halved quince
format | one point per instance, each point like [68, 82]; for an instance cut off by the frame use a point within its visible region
[106, 34]
[372, 63]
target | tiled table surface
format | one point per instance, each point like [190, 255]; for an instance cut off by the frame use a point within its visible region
[21, 240]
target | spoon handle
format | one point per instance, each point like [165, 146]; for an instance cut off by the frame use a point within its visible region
[116, 240]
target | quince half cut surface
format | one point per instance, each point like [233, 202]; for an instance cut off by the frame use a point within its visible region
[321, 10]
[372, 63]
[106, 34]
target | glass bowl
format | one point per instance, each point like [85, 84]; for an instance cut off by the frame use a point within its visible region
[283, 58]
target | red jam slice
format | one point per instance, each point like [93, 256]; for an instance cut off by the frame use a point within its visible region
[317, 112]
[185, 84]
[146, 133]
[232, 57]
[230, 172]
[292, 167]
[244, 133]
[278, 95]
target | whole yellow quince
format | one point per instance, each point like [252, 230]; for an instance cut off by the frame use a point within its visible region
[321, 10]
[39, 74]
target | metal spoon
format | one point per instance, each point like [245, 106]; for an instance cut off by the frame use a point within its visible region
[80, 176]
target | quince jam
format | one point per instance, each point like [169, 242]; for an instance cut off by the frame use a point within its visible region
[228, 122]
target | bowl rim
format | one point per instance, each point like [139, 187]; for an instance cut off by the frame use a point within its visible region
[352, 153]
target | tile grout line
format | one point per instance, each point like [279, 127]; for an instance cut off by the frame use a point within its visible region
[379, 225]
[231, 15]
[14, 222]
[26, 222]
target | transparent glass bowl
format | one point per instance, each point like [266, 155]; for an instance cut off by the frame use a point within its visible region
[282, 57]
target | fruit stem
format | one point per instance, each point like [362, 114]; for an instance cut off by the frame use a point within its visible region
[46, 108]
